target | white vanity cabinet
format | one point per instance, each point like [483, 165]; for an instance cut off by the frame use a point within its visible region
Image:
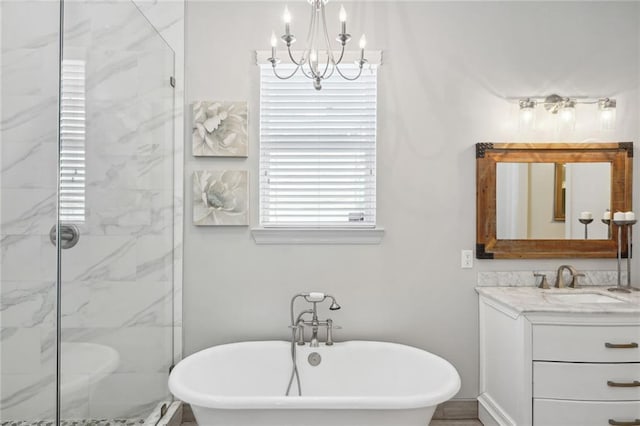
[555, 367]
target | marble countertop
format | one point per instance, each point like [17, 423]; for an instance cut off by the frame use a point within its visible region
[533, 299]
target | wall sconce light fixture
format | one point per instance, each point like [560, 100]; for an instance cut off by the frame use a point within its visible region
[565, 108]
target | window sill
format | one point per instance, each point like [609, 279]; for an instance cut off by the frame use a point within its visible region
[317, 235]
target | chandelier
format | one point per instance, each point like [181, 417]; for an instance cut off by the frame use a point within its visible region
[317, 45]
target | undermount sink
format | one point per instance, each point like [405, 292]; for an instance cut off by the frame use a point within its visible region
[582, 298]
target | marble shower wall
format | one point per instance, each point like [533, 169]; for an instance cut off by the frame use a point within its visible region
[167, 16]
[118, 282]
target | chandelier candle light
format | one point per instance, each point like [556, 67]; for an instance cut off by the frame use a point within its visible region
[317, 42]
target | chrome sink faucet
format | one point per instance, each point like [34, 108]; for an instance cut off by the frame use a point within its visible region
[300, 323]
[574, 277]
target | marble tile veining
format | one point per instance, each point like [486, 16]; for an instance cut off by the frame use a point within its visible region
[533, 299]
[27, 303]
[526, 278]
[15, 158]
[120, 279]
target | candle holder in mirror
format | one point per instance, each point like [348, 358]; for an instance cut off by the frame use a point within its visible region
[608, 223]
[586, 223]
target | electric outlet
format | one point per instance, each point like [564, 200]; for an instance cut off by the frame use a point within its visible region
[466, 259]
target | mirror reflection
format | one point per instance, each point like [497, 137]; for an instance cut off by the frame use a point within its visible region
[547, 200]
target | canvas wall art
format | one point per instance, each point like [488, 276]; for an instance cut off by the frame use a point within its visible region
[220, 198]
[220, 129]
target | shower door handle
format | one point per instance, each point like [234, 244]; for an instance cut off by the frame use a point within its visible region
[69, 236]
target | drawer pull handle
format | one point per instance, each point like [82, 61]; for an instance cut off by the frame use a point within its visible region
[633, 384]
[621, 345]
[635, 422]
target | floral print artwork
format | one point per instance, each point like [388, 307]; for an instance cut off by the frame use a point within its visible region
[220, 197]
[219, 129]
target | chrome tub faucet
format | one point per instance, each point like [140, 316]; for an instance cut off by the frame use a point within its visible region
[314, 323]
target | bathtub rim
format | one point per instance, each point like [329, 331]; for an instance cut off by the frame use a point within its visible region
[416, 401]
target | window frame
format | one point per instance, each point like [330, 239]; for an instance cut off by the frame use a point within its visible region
[333, 233]
[342, 159]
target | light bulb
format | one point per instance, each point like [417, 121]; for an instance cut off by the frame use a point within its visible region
[274, 40]
[607, 114]
[313, 56]
[363, 42]
[527, 116]
[287, 15]
[567, 115]
[343, 14]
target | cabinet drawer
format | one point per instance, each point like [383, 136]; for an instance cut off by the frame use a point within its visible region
[550, 412]
[564, 380]
[586, 343]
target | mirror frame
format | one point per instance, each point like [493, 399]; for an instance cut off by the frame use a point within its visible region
[619, 154]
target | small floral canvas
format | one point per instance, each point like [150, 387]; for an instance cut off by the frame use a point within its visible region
[219, 129]
[220, 198]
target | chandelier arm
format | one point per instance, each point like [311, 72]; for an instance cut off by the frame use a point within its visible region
[349, 78]
[292, 59]
[308, 45]
[310, 76]
[312, 21]
[328, 49]
[341, 55]
[326, 36]
[333, 69]
[313, 28]
[288, 76]
[326, 68]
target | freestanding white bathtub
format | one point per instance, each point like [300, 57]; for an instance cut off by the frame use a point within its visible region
[357, 383]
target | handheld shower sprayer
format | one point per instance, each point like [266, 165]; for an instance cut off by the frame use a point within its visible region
[315, 297]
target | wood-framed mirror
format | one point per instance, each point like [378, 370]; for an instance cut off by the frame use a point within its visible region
[517, 199]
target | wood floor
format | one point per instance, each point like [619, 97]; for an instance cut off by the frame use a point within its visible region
[433, 423]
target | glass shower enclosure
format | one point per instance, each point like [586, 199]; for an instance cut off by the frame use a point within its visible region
[86, 212]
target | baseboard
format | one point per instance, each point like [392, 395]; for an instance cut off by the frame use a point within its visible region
[490, 413]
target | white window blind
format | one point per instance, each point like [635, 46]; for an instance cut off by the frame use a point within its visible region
[318, 150]
[72, 142]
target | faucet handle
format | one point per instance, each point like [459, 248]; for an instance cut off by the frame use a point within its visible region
[574, 281]
[544, 283]
[330, 328]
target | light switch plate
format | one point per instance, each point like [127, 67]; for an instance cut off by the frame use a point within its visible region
[466, 259]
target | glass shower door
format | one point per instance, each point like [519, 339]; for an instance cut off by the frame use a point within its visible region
[29, 58]
[105, 298]
[116, 213]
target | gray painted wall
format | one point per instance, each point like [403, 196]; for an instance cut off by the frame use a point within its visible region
[447, 68]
